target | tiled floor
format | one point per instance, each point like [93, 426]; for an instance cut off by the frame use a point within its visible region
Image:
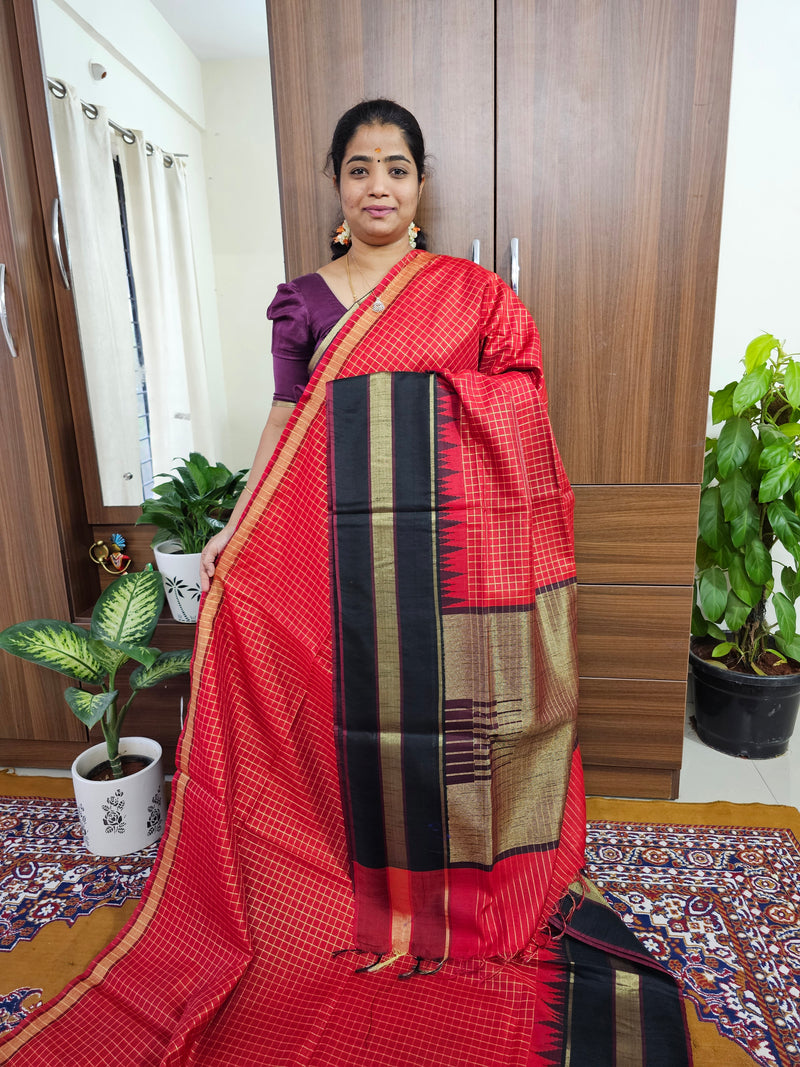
[710, 775]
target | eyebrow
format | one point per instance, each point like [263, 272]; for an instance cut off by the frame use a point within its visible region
[371, 159]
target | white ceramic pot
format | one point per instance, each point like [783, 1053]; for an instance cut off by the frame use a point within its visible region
[181, 573]
[127, 814]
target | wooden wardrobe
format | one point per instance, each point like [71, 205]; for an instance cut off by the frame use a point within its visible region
[593, 132]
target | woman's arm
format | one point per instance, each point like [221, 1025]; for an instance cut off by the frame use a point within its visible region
[276, 423]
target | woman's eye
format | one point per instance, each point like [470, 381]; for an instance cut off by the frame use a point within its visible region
[398, 172]
[357, 172]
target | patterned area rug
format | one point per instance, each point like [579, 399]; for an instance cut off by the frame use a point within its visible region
[720, 906]
[47, 875]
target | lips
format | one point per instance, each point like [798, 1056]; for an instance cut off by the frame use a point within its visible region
[379, 212]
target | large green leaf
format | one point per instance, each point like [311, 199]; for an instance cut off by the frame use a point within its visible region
[89, 707]
[736, 612]
[757, 352]
[791, 383]
[785, 524]
[758, 562]
[778, 481]
[709, 467]
[736, 439]
[735, 493]
[745, 526]
[776, 455]
[786, 616]
[741, 584]
[752, 388]
[129, 608]
[711, 520]
[722, 403]
[168, 665]
[713, 592]
[58, 645]
[790, 580]
[705, 557]
[789, 648]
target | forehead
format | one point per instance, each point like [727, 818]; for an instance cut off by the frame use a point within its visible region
[389, 140]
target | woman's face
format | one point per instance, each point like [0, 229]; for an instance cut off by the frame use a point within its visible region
[378, 185]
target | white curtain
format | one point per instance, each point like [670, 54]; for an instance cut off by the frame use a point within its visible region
[166, 294]
[98, 274]
[162, 263]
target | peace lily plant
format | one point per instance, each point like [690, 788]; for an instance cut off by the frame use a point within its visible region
[749, 503]
[123, 622]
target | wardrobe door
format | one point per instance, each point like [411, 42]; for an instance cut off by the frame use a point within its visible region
[435, 57]
[36, 727]
[611, 134]
[615, 196]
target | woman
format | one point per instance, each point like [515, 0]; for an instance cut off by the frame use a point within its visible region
[379, 779]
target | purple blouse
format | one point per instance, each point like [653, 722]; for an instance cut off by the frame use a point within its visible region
[302, 312]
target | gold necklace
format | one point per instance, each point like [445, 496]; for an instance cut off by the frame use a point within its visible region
[378, 305]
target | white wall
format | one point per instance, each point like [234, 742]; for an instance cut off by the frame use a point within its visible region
[244, 208]
[759, 271]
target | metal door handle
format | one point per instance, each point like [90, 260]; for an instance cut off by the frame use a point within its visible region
[476, 251]
[3, 312]
[56, 238]
[515, 264]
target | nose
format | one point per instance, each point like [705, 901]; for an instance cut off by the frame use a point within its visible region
[378, 181]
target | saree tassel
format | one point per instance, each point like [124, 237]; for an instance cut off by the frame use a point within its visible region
[379, 964]
[417, 970]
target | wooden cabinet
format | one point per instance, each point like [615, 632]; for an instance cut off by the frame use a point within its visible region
[594, 132]
[44, 567]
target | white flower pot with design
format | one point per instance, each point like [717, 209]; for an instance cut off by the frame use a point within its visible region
[125, 814]
[181, 573]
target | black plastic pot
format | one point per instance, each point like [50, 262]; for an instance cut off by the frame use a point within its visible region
[744, 714]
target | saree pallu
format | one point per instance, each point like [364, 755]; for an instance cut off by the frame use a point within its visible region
[379, 767]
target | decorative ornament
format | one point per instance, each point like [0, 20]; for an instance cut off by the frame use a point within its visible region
[111, 557]
[343, 235]
[413, 230]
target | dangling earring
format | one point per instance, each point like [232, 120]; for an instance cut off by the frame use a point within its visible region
[413, 230]
[343, 235]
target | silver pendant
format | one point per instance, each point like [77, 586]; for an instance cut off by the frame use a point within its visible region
[378, 305]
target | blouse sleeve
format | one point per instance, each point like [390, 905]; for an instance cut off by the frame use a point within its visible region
[292, 342]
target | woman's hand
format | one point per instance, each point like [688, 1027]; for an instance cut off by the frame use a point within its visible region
[208, 557]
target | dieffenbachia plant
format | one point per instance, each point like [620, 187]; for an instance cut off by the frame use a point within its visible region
[123, 622]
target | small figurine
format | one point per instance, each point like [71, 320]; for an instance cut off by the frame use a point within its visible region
[111, 557]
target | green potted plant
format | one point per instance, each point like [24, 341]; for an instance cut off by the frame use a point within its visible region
[745, 649]
[189, 508]
[120, 812]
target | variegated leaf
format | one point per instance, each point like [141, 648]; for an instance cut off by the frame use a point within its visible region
[58, 645]
[128, 609]
[89, 707]
[168, 665]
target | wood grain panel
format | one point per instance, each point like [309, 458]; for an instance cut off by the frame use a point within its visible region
[647, 782]
[31, 559]
[435, 57]
[633, 631]
[615, 192]
[631, 723]
[636, 534]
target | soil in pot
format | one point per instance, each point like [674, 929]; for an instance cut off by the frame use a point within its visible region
[773, 666]
[130, 765]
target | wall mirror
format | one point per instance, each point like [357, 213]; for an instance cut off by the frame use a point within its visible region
[179, 249]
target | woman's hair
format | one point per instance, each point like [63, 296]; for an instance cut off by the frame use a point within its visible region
[371, 113]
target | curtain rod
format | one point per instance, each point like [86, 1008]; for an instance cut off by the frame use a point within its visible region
[59, 89]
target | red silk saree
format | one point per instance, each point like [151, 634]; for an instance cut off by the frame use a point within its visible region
[378, 808]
